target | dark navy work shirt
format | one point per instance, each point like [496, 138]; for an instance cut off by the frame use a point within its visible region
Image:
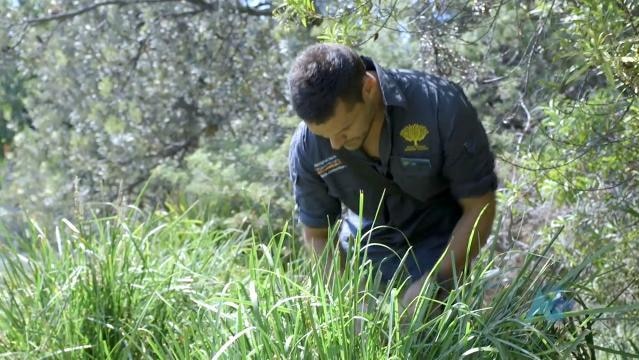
[432, 146]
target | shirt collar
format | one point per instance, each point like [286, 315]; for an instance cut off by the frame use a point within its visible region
[391, 93]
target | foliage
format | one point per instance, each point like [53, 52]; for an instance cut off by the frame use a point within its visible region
[140, 285]
[117, 90]
[584, 150]
[233, 182]
[13, 114]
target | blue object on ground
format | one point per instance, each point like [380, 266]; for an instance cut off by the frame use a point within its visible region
[552, 304]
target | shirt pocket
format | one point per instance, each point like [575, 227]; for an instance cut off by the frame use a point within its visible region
[419, 177]
[415, 166]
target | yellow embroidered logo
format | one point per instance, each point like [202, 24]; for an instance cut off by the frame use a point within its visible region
[414, 133]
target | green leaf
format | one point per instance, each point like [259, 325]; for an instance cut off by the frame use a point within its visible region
[633, 212]
[105, 86]
[61, 58]
[135, 114]
[114, 125]
[7, 112]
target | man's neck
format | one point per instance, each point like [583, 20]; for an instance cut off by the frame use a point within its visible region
[371, 144]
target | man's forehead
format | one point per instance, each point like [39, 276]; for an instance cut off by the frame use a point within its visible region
[324, 129]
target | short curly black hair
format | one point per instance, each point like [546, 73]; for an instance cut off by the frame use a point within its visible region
[320, 75]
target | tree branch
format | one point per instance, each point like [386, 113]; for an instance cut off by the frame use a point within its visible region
[262, 9]
[74, 13]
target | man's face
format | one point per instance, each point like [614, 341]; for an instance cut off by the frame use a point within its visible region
[348, 127]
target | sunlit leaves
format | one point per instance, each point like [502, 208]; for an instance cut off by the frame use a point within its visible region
[348, 22]
[113, 125]
[105, 86]
[302, 11]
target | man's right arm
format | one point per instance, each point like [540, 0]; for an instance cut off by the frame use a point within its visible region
[316, 208]
[315, 241]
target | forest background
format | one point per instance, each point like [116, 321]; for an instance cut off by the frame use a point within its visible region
[172, 105]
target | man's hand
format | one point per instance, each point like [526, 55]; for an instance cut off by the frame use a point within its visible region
[409, 301]
[315, 240]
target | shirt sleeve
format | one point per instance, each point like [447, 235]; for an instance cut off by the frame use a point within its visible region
[314, 206]
[469, 164]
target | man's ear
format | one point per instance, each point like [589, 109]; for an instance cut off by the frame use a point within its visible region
[369, 86]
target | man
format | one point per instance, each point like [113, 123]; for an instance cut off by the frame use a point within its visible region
[410, 142]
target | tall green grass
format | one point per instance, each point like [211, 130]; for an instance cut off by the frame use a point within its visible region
[170, 287]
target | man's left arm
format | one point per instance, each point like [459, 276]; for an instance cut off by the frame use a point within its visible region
[469, 165]
[469, 235]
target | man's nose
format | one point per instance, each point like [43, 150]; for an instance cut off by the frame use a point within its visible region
[337, 141]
